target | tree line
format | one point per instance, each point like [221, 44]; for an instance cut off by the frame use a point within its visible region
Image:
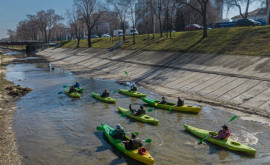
[87, 17]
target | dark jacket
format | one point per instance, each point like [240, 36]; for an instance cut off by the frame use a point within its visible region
[105, 94]
[180, 103]
[118, 134]
[133, 144]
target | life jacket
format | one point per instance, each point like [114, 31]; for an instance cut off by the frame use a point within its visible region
[227, 132]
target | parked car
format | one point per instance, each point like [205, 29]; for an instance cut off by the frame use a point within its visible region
[246, 22]
[105, 35]
[131, 32]
[193, 27]
[117, 33]
[94, 36]
[171, 31]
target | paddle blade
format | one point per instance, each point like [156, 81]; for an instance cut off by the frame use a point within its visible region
[83, 84]
[170, 108]
[100, 128]
[200, 142]
[150, 110]
[60, 93]
[126, 73]
[117, 141]
[64, 86]
[233, 118]
[136, 133]
[148, 141]
[123, 115]
[115, 92]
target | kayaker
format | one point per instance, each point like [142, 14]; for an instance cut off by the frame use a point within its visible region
[105, 93]
[137, 112]
[118, 133]
[163, 101]
[133, 143]
[222, 134]
[72, 89]
[180, 102]
[77, 85]
[133, 88]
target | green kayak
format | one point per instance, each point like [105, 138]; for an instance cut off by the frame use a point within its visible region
[146, 159]
[132, 93]
[143, 118]
[184, 108]
[104, 99]
[73, 94]
[227, 143]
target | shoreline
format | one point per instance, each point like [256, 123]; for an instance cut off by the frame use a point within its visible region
[148, 71]
[9, 153]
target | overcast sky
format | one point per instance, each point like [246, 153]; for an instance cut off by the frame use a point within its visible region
[13, 11]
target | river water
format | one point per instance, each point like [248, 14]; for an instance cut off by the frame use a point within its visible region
[54, 129]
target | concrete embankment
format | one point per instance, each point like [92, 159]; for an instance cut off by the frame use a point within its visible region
[236, 82]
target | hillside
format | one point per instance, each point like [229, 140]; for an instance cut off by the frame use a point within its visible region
[231, 41]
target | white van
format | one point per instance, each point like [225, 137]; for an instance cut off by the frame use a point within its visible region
[131, 32]
[117, 33]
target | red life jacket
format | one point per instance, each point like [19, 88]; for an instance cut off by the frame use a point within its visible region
[227, 132]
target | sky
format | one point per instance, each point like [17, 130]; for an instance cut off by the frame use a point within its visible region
[14, 11]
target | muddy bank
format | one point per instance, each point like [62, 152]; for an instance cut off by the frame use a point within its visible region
[9, 94]
[236, 82]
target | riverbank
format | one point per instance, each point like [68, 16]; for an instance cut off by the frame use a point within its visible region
[252, 41]
[9, 94]
[236, 82]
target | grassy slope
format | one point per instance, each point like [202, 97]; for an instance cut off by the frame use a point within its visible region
[236, 41]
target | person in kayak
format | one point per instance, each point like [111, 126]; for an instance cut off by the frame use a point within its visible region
[163, 101]
[222, 134]
[133, 88]
[72, 89]
[180, 102]
[77, 85]
[133, 143]
[137, 112]
[105, 93]
[118, 133]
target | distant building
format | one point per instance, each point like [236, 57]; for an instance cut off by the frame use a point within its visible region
[259, 14]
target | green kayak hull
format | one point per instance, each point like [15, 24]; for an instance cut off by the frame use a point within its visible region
[226, 143]
[73, 94]
[184, 108]
[146, 159]
[143, 118]
[103, 99]
[132, 93]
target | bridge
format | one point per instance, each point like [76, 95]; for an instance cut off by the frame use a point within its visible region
[30, 45]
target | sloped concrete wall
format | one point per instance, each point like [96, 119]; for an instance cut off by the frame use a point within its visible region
[242, 81]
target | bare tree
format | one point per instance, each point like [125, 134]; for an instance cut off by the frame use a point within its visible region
[11, 34]
[76, 24]
[121, 8]
[158, 10]
[238, 4]
[202, 10]
[46, 20]
[91, 11]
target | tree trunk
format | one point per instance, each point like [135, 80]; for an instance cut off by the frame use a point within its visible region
[246, 13]
[268, 12]
[134, 42]
[89, 38]
[204, 21]
[160, 27]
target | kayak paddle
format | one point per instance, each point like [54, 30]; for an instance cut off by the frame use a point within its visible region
[115, 92]
[170, 108]
[60, 93]
[150, 110]
[64, 86]
[234, 117]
